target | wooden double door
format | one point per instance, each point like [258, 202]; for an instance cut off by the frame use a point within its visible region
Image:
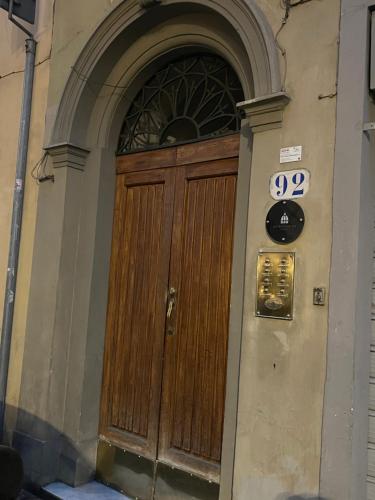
[165, 357]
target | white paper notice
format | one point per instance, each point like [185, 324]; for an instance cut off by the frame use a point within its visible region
[292, 153]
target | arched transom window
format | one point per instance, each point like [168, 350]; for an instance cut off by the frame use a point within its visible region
[191, 98]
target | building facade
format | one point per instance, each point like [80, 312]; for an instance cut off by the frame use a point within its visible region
[147, 347]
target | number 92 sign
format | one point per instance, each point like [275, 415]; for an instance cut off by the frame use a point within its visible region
[289, 184]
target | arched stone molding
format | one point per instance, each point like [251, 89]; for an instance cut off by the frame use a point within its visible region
[73, 230]
[179, 35]
[123, 26]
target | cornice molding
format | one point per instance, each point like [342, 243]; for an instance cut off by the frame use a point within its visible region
[265, 112]
[67, 155]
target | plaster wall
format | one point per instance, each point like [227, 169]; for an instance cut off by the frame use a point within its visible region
[275, 453]
[12, 60]
[284, 362]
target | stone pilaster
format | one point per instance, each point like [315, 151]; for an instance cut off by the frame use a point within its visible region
[40, 434]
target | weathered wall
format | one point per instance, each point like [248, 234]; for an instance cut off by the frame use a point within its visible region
[283, 363]
[12, 59]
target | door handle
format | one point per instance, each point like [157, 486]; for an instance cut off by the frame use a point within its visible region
[171, 301]
[171, 304]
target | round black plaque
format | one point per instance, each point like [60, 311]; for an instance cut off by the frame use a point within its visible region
[285, 221]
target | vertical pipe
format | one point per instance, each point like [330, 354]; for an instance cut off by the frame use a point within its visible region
[15, 233]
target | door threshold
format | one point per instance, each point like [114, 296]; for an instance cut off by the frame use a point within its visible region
[89, 491]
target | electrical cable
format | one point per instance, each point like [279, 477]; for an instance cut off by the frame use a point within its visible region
[281, 48]
[287, 5]
[16, 72]
[38, 173]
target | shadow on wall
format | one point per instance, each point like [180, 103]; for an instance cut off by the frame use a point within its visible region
[47, 454]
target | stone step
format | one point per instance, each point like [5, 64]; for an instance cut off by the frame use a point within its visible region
[89, 491]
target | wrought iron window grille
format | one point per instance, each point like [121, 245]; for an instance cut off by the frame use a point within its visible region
[191, 98]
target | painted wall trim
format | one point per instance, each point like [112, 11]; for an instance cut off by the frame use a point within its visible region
[345, 415]
[146, 4]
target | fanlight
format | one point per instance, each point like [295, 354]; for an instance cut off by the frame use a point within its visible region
[190, 99]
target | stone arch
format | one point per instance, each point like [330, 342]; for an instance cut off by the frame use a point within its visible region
[74, 221]
[237, 29]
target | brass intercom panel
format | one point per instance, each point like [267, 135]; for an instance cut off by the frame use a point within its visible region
[275, 285]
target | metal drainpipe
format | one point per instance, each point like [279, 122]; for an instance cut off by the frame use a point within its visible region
[15, 233]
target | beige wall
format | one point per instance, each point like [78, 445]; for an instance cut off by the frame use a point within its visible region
[280, 408]
[12, 60]
[283, 363]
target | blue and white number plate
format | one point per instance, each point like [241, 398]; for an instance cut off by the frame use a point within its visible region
[290, 184]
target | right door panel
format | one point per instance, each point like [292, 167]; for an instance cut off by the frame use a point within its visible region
[196, 345]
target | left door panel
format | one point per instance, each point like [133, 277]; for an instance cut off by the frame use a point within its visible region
[136, 310]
